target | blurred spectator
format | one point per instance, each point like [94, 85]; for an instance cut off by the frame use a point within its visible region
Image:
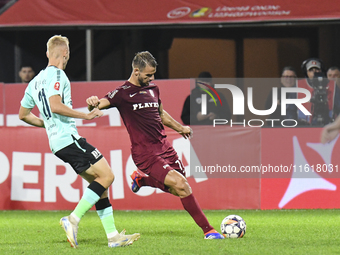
[322, 91]
[333, 74]
[288, 79]
[191, 113]
[26, 73]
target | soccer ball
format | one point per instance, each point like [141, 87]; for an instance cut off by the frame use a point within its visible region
[233, 226]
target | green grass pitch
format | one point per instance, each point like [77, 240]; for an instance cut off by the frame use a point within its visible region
[174, 232]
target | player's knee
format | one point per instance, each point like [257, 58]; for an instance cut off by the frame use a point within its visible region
[187, 189]
[181, 184]
[183, 189]
[110, 177]
[107, 176]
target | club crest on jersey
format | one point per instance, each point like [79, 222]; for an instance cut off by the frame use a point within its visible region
[56, 86]
[151, 92]
[145, 105]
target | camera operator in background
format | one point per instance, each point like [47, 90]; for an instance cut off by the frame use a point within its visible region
[333, 74]
[322, 91]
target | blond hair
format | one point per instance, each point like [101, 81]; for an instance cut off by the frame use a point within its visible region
[54, 42]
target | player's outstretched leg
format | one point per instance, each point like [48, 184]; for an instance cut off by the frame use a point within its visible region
[70, 227]
[179, 186]
[191, 205]
[139, 179]
[120, 240]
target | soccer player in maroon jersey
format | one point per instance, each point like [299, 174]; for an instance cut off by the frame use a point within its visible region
[141, 109]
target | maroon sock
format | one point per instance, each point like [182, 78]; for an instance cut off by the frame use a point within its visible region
[191, 205]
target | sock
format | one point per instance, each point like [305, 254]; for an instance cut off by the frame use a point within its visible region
[191, 205]
[89, 199]
[105, 213]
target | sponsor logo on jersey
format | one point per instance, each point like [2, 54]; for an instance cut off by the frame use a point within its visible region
[145, 105]
[132, 95]
[56, 86]
[112, 93]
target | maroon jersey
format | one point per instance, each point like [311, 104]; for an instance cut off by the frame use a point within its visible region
[138, 107]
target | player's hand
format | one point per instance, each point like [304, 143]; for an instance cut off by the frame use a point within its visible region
[209, 116]
[212, 116]
[94, 114]
[200, 116]
[186, 132]
[92, 102]
[328, 134]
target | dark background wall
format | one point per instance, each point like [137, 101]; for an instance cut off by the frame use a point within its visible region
[181, 52]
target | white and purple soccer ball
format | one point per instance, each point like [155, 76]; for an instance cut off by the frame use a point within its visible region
[233, 226]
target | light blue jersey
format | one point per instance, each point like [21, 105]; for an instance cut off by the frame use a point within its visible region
[52, 81]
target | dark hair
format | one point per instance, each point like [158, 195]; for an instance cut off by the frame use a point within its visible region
[204, 77]
[332, 68]
[288, 68]
[205, 74]
[142, 59]
[26, 65]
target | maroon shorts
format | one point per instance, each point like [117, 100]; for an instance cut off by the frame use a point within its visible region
[159, 167]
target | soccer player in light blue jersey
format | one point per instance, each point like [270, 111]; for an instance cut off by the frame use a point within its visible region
[50, 91]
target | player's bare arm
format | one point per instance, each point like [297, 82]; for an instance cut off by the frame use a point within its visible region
[94, 102]
[26, 115]
[330, 131]
[58, 107]
[168, 121]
